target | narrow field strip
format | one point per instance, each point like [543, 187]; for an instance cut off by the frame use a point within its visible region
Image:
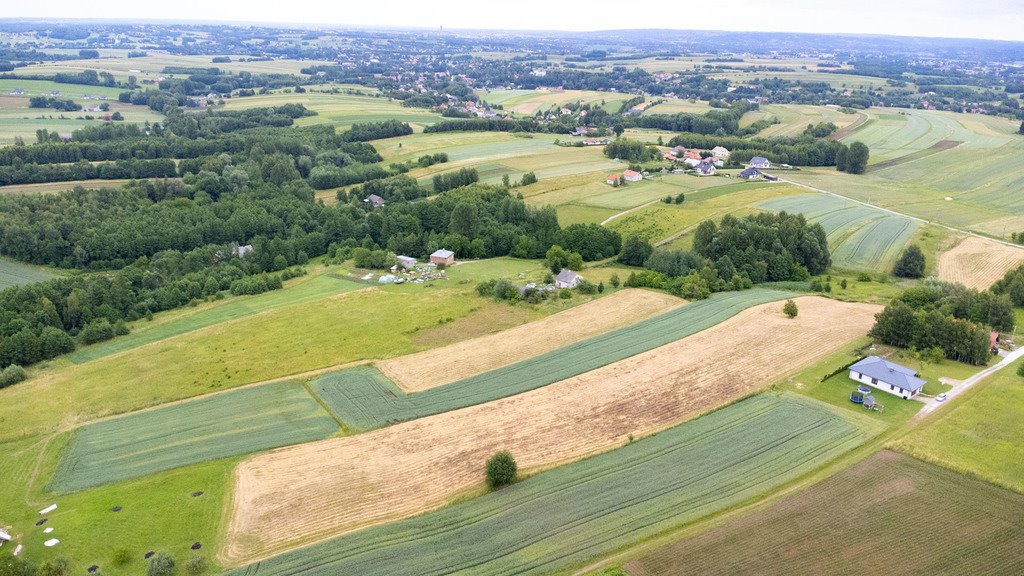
[228, 424]
[888, 514]
[367, 401]
[569, 515]
[431, 368]
[322, 489]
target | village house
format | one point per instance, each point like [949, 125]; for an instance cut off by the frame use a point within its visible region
[632, 176]
[759, 162]
[678, 150]
[720, 152]
[596, 141]
[241, 251]
[750, 174]
[406, 262]
[374, 201]
[567, 279]
[612, 179]
[692, 157]
[887, 376]
[669, 156]
[705, 168]
[442, 256]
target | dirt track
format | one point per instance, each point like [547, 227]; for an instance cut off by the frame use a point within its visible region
[315, 491]
[978, 262]
[431, 368]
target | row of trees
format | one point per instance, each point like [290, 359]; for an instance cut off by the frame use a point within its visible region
[452, 180]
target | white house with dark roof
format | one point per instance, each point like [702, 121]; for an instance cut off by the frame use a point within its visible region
[759, 162]
[705, 168]
[567, 279]
[887, 376]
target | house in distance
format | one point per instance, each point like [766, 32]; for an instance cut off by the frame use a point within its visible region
[567, 279]
[442, 256]
[887, 376]
[759, 162]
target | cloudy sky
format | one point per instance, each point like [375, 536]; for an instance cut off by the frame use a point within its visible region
[996, 19]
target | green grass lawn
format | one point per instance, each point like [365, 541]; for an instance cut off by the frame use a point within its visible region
[15, 273]
[979, 432]
[342, 110]
[565, 517]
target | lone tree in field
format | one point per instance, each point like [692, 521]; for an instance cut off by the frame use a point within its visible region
[857, 158]
[501, 469]
[910, 263]
[790, 309]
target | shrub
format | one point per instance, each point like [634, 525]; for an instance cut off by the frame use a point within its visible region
[910, 264]
[565, 294]
[586, 287]
[97, 331]
[161, 565]
[196, 564]
[501, 469]
[122, 556]
[790, 309]
[614, 281]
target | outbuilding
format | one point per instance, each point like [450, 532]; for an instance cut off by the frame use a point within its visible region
[442, 256]
[406, 262]
[567, 279]
[887, 376]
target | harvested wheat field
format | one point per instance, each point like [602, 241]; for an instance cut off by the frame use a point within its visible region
[439, 366]
[978, 262]
[314, 491]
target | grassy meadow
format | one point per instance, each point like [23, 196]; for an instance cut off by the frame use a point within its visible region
[13, 273]
[340, 109]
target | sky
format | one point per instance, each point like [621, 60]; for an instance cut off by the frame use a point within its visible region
[994, 19]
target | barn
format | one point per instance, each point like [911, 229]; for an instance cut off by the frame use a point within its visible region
[887, 376]
[442, 256]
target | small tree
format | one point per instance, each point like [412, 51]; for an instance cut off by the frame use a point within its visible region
[501, 469]
[161, 565]
[910, 264]
[667, 199]
[614, 281]
[843, 284]
[600, 287]
[1020, 369]
[680, 198]
[790, 309]
[196, 564]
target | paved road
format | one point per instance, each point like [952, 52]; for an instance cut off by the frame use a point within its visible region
[931, 404]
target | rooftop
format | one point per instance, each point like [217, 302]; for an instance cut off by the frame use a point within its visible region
[889, 372]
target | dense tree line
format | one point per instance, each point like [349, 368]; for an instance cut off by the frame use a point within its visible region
[392, 189]
[83, 170]
[366, 131]
[55, 103]
[800, 151]
[452, 180]
[590, 241]
[718, 122]
[766, 247]
[631, 150]
[485, 125]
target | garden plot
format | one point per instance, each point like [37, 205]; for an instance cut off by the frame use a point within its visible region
[567, 516]
[323, 489]
[228, 424]
[431, 368]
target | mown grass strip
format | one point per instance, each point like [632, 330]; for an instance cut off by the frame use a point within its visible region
[365, 399]
[567, 516]
[229, 424]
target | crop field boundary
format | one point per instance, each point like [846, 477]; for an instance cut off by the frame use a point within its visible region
[940, 146]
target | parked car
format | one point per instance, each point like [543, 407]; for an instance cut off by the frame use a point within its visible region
[941, 397]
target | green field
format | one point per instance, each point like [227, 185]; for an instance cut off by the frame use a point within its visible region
[15, 273]
[794, 118]
[230, 424]
[237, 307]
[365, 400]
[342, 110]
[55, 187]
[564, 517]
[860, 237]
[887, 514]
[979, 434]
[527, 102]
[150, 67]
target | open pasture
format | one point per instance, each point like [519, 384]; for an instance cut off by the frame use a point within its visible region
[431, 368]
[365, 400]
[590, 413]
[676, 106]
[888, 513]
[151, 66]
[978, 435]
[567, 516]
[14, 273]
[794, 118]
[978, 262]
[229, 424]
[528, 102]
[182, 322]
[860, 237]
[342, 110]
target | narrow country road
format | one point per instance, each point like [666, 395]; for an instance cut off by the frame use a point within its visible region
[931, 405]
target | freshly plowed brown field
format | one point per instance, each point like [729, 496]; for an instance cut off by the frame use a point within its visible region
[978, 262]
[447, 364]
[314, 491]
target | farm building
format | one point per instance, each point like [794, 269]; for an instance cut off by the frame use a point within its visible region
[241, 251]
[750, 174]
[759, 162]
[596, 141]
[442, 256]
[887, 376]
[632, 176]
[611, 179]
[567, 279]
[705, 168]
[406, 262]
[374, 200]
[720, 152]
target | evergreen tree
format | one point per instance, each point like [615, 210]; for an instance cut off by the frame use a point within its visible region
[857, 158]
[910, 264]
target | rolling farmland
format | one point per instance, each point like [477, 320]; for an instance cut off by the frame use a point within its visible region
[15, 273]
[431, 368]
[527, 102]
[229, 424]
[978, 262]
[342, 110]
[300, 493]
[861, 238]
[569, 515]
[365, 400]
[888, 514]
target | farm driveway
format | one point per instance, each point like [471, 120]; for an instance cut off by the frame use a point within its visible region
[931, 405]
